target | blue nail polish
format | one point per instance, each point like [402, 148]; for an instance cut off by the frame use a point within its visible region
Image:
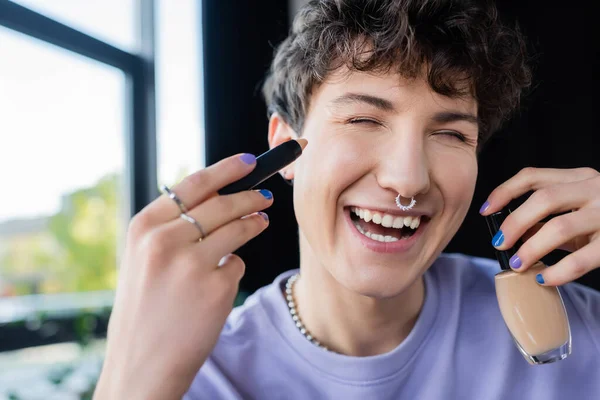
[515, 262]
[248, 158]
[498, 239]
[539, 278]
[266, 193]
[484, 207]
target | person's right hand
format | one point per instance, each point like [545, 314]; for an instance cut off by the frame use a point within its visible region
[175, 292]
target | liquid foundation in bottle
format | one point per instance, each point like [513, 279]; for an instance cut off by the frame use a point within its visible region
[535, 315]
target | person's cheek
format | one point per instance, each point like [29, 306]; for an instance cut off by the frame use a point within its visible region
[316, 177]
[336, 161]
[347, 156]
[455, 175]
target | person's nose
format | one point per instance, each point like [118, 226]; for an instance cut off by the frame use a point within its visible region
[404, 168]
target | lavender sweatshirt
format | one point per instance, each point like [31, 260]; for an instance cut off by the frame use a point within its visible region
[459, 349]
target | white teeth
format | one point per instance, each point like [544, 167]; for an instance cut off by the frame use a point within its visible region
[415, 223]
[377, 218]
[398, 222]
[375, 236]
[381, 238]
[387, 220]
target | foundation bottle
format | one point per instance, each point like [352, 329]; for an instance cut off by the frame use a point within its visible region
[534, 314]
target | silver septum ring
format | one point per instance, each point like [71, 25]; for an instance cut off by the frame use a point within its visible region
[408, 207]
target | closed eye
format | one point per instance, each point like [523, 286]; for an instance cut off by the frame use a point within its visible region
[363, 121]
[457, 135]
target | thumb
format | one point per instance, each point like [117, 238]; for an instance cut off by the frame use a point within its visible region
[233, 266]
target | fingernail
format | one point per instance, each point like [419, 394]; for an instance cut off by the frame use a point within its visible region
[540, 279]
[515, 262]
[248, 158]
[498, 239]
[484, 207]
[264, 215]
[266, 193]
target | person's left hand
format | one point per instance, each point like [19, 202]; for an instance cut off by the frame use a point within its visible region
[555, 191]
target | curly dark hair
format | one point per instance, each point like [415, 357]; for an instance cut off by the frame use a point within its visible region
[461, 45]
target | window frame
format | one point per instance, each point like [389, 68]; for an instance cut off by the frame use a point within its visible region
[141, 183]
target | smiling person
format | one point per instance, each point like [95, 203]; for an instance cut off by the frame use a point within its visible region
[396, 99]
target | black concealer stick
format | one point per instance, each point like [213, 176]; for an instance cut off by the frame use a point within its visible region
[267, 165]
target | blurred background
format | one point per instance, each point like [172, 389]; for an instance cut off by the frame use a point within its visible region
[103, 101]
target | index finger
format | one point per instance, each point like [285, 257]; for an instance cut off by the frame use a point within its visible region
[200, 186]
[531, 179]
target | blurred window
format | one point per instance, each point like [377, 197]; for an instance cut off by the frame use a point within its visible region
[112, 21]
[68, 137]
[62, 160]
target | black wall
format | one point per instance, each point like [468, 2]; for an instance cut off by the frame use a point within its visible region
[239, 39]
[556, 127]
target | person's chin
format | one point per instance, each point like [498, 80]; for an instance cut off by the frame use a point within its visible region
[375, 280]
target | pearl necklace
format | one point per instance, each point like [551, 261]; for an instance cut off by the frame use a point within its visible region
[289, 295]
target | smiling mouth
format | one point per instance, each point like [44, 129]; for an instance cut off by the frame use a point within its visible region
[383, 227]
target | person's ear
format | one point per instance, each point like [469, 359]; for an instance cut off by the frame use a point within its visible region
[280, 132]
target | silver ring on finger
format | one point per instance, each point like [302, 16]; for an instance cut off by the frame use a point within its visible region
[175, 198]
[192, 221]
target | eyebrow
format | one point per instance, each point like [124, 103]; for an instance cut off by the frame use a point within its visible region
[388, 106]
[378, 102]
[453, 116]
